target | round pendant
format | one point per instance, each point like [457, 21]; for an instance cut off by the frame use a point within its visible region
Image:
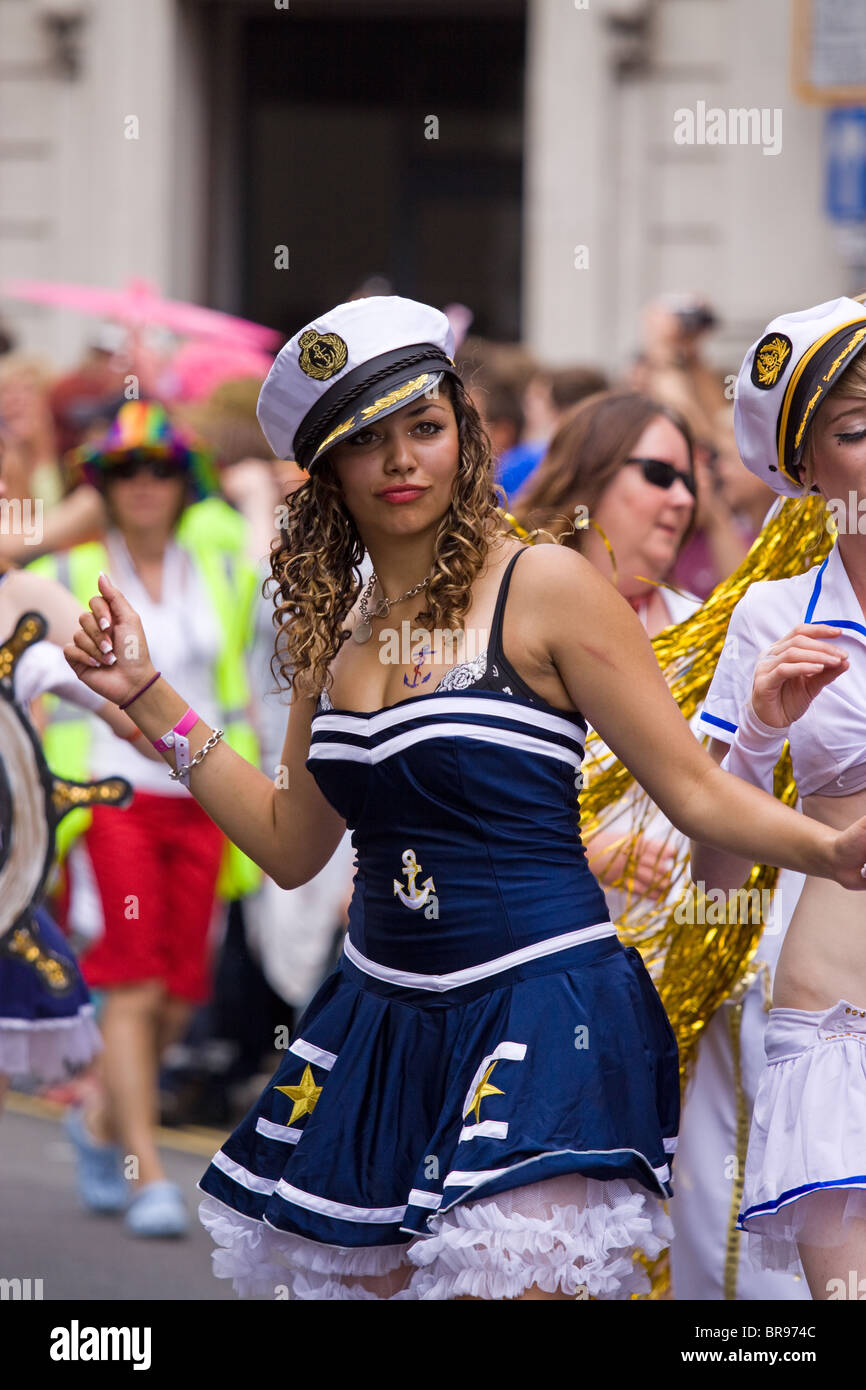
[362, 632]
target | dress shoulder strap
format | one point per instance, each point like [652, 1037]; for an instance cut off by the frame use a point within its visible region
[494, 646]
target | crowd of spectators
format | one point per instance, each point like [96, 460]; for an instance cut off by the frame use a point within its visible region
[262, 964]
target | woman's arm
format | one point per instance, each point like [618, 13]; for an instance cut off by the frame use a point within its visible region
[712, 867]
[609, 669]
[785, 678]
[79, 517]
[286, 826]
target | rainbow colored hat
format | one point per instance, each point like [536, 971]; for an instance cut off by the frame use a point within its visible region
[143, 430]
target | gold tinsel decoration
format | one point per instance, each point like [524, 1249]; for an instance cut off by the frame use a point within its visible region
[696, 968]
[696, 964]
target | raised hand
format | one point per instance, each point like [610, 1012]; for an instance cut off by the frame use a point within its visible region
[109, 652]
[791, 672]
[650, 869]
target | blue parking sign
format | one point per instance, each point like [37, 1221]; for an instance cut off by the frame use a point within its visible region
[845, 163]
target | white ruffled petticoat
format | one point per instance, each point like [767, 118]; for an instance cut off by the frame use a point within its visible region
[48, 1049]
[805, 1174]
[571, 1234]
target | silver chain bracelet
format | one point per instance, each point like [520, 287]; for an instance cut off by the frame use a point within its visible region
[177, 773]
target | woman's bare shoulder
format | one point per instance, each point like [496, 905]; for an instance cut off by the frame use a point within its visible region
[556, 572]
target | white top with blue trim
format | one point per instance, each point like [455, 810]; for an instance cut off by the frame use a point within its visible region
[828, 743]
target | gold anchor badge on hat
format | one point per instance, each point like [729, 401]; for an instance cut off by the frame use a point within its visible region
[322, 354]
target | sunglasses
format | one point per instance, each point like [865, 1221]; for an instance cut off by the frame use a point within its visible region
[157, 467]
[662, 474]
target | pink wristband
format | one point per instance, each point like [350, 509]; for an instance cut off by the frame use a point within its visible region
[180, 730]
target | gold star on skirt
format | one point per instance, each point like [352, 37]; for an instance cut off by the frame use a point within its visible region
[481, 1090]
[304, 1096]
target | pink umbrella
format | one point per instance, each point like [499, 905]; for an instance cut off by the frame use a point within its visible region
[196, 369]
[140, 304]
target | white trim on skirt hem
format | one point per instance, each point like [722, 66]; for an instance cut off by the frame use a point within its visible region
[48, 1049]
[492, 1248]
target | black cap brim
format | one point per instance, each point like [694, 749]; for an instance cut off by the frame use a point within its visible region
[810, 387]
[372, 391]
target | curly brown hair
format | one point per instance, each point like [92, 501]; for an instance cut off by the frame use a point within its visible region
[314, 563]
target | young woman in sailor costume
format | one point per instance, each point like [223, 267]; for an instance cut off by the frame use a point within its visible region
[794, 667]
[482, 1100]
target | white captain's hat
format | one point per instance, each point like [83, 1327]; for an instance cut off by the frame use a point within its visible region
[360, 361]
[784, 379]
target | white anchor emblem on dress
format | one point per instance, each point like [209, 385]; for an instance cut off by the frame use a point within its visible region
[414, 897]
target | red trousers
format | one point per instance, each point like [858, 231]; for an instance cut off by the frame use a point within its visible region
[156, 867]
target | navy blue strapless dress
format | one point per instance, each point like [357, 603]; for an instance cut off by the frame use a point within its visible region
[485, 1028]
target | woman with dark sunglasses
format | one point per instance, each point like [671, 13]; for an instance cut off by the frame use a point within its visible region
[620, 466]
[628, 463]
[620, 470]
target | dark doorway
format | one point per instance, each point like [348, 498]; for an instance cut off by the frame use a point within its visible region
[336, 163]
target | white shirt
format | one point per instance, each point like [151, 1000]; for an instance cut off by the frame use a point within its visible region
[828, 742]
[43, 670]
[184, 641]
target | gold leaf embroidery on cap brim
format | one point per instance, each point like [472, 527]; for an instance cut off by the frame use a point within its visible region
[849, 346]
[335, 434]
[398, 394]
[806, 413]
[382, 403]
[787, 401]
[828, 376]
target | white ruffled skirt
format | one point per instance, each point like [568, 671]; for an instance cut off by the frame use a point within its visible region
[805, 1176]
[575, 1235]
[49, 1049]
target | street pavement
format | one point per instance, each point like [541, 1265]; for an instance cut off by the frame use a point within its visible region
[44, 1233]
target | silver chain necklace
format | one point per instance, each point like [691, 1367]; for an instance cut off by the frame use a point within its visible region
[364, 629]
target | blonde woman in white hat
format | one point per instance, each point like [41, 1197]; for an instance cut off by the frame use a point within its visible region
[794, 667]
[481, 1101]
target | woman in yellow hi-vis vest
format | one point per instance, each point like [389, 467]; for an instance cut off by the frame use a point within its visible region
[179, 550]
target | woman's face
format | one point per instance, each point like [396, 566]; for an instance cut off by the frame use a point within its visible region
[645, 523]
[145, 502]
[397, 475]
[839, 448]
